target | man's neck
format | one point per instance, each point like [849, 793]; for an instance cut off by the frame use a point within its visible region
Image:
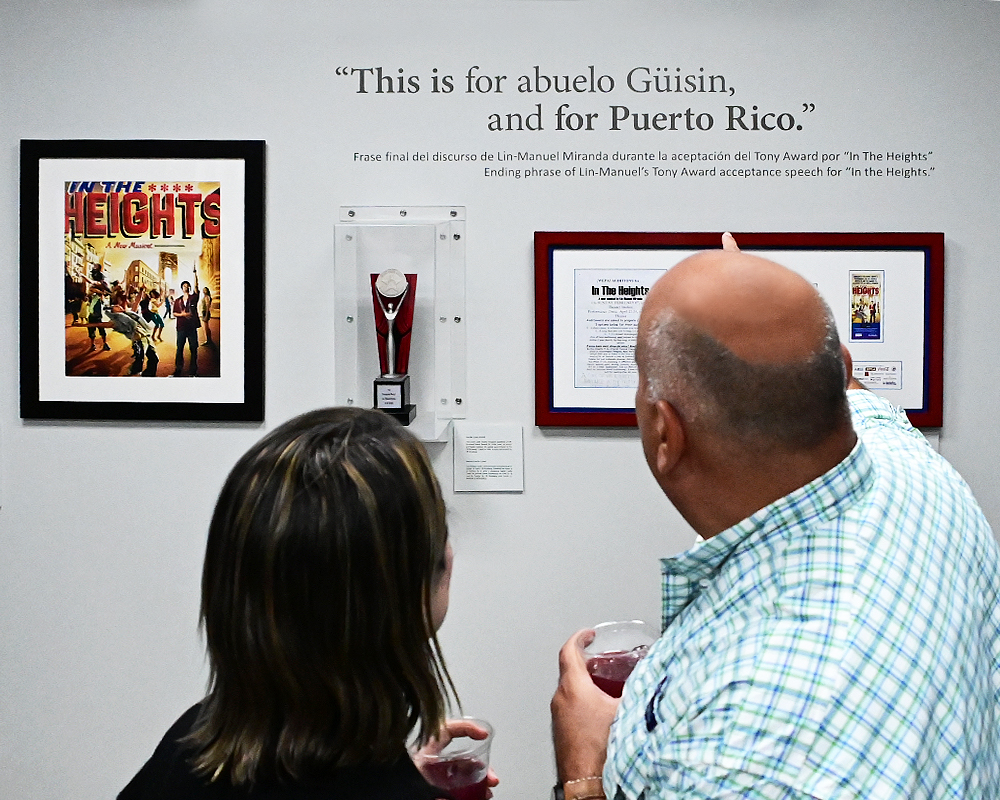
[740, 488]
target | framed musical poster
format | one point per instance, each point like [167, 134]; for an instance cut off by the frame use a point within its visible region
[160, 311]
[886, 291]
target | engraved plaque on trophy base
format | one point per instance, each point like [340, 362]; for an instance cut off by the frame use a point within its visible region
[392, 395]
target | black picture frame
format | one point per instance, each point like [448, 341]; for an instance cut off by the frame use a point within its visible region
[59, 377]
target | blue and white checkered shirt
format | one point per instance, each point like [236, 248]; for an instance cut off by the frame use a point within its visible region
[843, 642]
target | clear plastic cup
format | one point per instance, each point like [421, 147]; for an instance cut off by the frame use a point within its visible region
[462, 765]
[616, 649]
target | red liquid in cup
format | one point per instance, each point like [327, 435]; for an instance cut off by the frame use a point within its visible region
[610, 670]
[464, 778]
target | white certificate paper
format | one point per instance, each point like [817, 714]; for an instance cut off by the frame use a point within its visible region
[489, 457]
[606, 319]
[597, 296]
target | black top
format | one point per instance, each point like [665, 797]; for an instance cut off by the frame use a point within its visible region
[167, 776]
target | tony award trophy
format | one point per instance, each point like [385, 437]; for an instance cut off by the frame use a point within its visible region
[392, 293]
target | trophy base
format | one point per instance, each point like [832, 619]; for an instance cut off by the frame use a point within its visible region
[403, 416]
[392, 395]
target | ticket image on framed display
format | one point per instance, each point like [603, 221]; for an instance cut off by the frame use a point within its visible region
[885, 291]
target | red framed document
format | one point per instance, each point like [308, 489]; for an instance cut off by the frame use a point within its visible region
[886, 291]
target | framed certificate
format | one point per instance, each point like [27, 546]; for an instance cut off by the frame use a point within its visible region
[886, 291]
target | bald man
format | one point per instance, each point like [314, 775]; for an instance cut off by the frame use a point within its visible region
[837, 632]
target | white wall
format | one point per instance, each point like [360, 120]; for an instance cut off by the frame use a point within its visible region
[102, 525]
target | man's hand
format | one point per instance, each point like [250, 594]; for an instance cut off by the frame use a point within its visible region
[729, 243]
[581, 714]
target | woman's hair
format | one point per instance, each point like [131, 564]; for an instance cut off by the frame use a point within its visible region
[327, 542]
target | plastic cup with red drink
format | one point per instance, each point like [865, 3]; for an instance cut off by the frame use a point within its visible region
[462, 766]
[616, 649]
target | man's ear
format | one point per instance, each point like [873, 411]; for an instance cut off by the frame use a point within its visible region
[848, 363]
[670, 439]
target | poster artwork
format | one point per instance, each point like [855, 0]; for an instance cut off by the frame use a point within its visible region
[867, 298]
[142, 278]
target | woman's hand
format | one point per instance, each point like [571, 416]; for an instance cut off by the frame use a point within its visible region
[453, 729]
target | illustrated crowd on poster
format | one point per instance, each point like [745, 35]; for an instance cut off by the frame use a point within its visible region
[142, 279]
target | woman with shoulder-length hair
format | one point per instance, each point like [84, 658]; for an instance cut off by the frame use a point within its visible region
[326, 578]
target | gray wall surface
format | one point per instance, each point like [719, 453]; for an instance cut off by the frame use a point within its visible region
[102, 525]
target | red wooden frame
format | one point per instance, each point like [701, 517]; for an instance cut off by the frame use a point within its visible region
[932, 244]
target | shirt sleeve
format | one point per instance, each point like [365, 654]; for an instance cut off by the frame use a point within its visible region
[878, 418]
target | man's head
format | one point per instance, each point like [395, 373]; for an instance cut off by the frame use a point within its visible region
[741, 355]
[185, 287]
